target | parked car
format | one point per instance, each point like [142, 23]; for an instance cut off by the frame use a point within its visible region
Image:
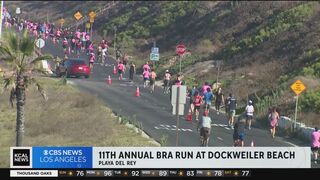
[73, 67]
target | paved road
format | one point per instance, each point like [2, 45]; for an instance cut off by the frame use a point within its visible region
[154, 110]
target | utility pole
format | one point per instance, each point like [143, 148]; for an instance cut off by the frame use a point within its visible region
[179, 64]
[177, 113]
[47, 18]
[295, 114]
[91, 24]
[115, 40]
[154, 45]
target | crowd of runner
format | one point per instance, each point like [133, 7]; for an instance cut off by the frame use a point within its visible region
[75, 42]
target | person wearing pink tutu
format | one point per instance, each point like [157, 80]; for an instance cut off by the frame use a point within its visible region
[273, 118]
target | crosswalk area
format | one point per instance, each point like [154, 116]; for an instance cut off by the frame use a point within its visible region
[222, 125]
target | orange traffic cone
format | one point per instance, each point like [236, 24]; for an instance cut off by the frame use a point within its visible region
[114, 70]
[252, 143]
[189, 116]
[137, 92]
[109, 81]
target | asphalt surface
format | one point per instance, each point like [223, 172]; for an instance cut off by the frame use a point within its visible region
[154, 110]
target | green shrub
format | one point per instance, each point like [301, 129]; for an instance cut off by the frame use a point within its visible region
[142, 10]
[215, 18]
[308, 54]
[139, 31]
[308, 71]
[282, 22]
[119, 22]
[125, 40]
[204, 45]
[310, 101]
[283, 78]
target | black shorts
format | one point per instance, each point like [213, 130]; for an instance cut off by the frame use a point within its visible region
[120, 71]
[248, 117]
[196, 107]
[151, 81]
[204, 132]
[314, 149]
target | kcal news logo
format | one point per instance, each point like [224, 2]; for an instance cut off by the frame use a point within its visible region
[21, 157]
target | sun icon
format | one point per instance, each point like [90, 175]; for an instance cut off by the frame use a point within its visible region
[236, 173]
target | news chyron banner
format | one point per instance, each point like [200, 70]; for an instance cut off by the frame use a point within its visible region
[51, 157]
[160, 157]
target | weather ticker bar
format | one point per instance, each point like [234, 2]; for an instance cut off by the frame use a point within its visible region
[154, 173]
[130, 173]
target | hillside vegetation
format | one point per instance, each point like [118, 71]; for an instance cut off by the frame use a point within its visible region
[263, 47]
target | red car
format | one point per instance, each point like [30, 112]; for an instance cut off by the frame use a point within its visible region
[73, 67]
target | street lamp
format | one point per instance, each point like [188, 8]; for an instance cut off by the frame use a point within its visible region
[115, 40]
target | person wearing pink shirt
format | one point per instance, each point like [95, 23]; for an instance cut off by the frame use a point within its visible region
[78, 34]
[205, 87]
[146, 75]
[146, 66]
[58, 33]
[315, 143]
[87, 40]
[121, 69]
[87, 37]
[153, 76]
[92, 58]
[91, 48]
[178, 80]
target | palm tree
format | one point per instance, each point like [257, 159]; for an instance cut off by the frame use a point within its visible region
[19, 52]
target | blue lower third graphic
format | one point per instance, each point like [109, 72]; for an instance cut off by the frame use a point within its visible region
[61, 157]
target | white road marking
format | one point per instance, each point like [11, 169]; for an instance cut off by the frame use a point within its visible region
[225, 126]
[220, 138]
[171, 127]
[124, 85]
[290, 143]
